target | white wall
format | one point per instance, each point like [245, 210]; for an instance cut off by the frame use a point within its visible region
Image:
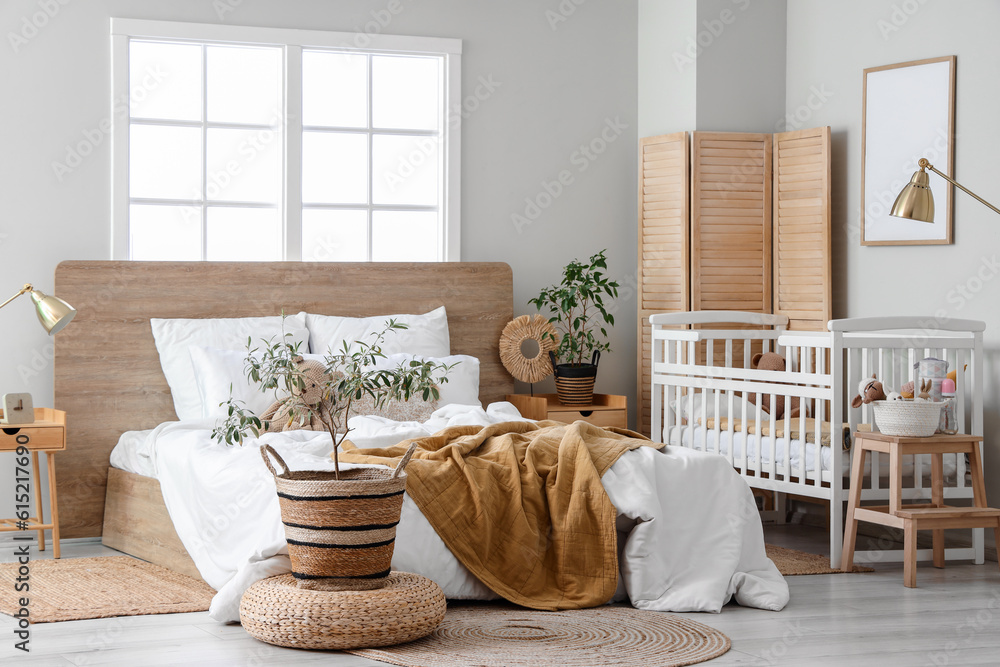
[829, 46]
[564, 73]
[742, 53]
[667, 70]
[714, 65]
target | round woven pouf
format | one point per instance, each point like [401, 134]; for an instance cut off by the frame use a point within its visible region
[276, 611]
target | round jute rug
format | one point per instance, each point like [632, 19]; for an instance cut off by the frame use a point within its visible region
[495, 636]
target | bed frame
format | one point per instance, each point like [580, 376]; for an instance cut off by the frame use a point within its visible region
[108, 377]
[701, 353]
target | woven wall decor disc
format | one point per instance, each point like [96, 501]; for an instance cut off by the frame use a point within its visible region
[494, 636]
[519, 330]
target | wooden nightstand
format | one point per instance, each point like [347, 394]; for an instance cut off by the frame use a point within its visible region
[46, 434]
[606, 410]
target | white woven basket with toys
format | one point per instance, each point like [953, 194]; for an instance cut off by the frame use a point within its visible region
[907, 418]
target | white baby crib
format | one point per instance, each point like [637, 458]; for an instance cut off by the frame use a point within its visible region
[702, 381]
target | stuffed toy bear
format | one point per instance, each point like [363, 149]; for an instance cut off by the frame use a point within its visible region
[869, 389]
[287, 414]
[769, 361]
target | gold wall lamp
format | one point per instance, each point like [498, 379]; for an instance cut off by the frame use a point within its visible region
[53, 313]
[915, 200]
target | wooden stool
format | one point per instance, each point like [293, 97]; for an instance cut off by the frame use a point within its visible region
[934, 516]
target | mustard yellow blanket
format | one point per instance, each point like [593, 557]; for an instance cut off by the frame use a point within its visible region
[521, 505]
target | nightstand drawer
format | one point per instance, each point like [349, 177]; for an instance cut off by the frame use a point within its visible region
[601, 418]
[606, 410]
[50, 438]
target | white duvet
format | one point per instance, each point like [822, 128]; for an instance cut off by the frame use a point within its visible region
[690, 535]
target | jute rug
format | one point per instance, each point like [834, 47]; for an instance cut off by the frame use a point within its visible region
[504, 636]
[72, 589]
[791, 562]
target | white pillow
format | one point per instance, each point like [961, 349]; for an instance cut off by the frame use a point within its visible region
[216, 371]
[426, 334]
[462, 387]
[175, 337]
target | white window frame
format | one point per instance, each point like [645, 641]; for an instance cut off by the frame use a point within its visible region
[293, 42]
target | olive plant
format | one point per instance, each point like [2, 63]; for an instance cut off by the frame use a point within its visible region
[349, 374]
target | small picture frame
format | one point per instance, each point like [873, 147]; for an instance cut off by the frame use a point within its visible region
[908, 112]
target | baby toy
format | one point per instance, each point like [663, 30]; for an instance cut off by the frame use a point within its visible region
[769, 361]
[869, 389]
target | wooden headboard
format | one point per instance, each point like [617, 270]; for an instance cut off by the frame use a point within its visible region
[107, 370]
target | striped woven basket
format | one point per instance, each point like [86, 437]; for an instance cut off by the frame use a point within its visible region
[575, 382]
[340, 532]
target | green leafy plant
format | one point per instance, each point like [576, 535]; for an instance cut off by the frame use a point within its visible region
[577, 309]
[349, 375]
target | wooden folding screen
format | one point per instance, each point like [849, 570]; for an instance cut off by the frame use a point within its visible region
[664, 243]
[731, 222]
[722, 227]
[801, 223]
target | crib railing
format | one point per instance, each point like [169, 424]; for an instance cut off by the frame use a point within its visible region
[706, 374]
[702, 379]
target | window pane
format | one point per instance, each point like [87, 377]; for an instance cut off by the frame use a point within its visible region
[405, 92]
[334, 89]
[334, 236]
[165, 80]
[164, 162]
[244, 165]
[164, 232]
[243, 235]
[405, 170]
[244, 85]
[334, 168]
[404, 236]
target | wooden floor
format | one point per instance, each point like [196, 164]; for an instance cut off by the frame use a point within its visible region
[952, 618]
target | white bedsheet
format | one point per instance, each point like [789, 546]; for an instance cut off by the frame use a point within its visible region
[705, 440]
[683, 550]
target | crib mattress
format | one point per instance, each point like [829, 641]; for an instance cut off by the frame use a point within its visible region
[700, 438]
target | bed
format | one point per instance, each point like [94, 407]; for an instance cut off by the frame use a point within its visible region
[702, 381]
[108, 378]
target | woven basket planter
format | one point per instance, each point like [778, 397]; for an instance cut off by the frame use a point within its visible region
[911, 419]
[340, 532]
[575, 382]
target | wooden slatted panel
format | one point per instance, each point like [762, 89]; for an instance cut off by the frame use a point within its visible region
[801, 228]
[731, 221]
[664, 245]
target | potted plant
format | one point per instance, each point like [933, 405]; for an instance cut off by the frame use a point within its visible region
[576, 308]
[330, 516]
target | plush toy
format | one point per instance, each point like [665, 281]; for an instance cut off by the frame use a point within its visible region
[925, 391]
[769, 361]
[287, 414]
[869, 389]
[894, 396]
[906, 391]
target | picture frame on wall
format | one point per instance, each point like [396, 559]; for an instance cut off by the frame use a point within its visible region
[908, 112]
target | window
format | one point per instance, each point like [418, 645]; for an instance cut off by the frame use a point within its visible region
[235, 143]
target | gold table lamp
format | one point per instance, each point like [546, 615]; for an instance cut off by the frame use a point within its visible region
[915, 200]
[53, 313]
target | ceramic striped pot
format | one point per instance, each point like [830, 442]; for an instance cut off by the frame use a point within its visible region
[340, 532]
